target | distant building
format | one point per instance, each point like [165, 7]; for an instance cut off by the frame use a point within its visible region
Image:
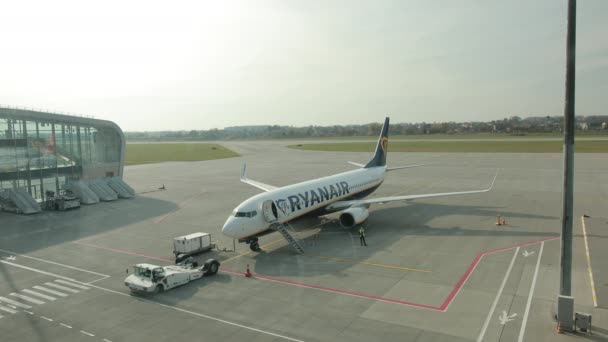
[42, 151]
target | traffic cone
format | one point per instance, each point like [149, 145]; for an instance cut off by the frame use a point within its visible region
[559, 327]
[248, 273]
[504, 221]
[498, 220]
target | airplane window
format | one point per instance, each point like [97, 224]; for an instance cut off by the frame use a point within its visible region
[246, 213]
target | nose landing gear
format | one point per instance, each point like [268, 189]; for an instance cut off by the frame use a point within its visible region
[254, 245]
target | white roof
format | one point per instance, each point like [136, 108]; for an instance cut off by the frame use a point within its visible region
[148, 266]
[191, 236]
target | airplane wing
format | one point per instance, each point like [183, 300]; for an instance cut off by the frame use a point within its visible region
[347, 204]
[260, 185]
[390, 168]
[356, 164]
[403, 167]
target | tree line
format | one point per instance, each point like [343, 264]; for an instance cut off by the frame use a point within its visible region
[512, 125]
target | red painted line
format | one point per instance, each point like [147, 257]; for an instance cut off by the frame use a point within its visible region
[520, 245]
[476, 261]
[460, 283]
[446, 303]
[329, 289]
[162, 218]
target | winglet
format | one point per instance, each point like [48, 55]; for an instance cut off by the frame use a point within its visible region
[244, 172]
[259, 185]
[493, 180]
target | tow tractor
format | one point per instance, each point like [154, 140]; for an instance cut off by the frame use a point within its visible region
[63, 200]
[147, 278]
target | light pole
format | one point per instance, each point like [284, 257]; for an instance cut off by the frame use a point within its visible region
[565, 302]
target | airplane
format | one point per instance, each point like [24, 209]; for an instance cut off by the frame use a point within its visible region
[266, 212]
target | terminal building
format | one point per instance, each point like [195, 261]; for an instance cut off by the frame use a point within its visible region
[44, 154]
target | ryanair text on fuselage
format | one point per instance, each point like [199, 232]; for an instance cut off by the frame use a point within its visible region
[310, 197]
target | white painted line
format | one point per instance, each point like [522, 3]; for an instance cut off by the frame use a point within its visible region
[2, 308]
[106, 340]
[56, 293]
[54, 263]
[502, 286]
[37, 270]
[525, 319]
[61, 287]
[29, 299]
[10, 306]
[87, 333]
[589, 269]
[1, 316]
[29, 312]
[156, 303]
[17, 304]
[72, 284]
[48, 319]
[34, 293]
[96, 280]
[65, 325]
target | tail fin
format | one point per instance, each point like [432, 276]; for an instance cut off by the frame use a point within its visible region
[381, 148]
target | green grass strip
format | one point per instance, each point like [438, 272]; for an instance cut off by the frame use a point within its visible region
[158, 153]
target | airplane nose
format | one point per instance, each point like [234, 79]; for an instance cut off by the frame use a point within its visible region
[228, 229]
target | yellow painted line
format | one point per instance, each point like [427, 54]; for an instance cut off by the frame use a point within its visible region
[368, 263]
[589, 263]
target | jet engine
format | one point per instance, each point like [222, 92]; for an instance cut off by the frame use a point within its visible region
[353, 216]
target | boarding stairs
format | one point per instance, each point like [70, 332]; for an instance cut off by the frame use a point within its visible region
[20, 201]
[120, 187]
[102, 190]
[82, 191]
[284, 229]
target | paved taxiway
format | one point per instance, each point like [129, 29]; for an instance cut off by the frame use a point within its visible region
[435, 269]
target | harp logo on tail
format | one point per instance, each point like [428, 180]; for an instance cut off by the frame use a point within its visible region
[384, 144]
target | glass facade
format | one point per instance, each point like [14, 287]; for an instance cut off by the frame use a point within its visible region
[41, 151]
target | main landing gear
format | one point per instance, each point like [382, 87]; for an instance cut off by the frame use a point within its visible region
[254, 245]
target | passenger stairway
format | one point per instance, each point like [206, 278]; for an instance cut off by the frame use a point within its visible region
[102, 190]
[120, 188]
[20, 201]
[82, 191]
[284, 230]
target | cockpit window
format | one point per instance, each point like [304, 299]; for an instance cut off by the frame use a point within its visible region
[245, 213]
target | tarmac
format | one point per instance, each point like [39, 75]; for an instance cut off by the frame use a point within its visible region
[437, 269]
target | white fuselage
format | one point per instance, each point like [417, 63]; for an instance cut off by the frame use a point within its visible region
[254, 216]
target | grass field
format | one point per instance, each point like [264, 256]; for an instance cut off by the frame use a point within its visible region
[584, 146]
[462, 136]
[157, 153]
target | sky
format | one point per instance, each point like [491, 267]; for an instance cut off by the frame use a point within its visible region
[183, 65]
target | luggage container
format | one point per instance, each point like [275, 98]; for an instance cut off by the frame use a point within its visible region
[191, 244]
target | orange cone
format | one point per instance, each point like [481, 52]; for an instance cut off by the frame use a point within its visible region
[504, 221]
[559, 327]
[498, 220]
[248, 273]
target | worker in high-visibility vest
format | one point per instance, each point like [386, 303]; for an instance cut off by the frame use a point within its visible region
[362, 236]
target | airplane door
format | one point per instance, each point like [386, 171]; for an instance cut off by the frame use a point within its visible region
[270, 211]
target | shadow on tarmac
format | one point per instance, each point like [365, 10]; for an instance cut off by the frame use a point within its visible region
[385, 227]
[23, 234]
